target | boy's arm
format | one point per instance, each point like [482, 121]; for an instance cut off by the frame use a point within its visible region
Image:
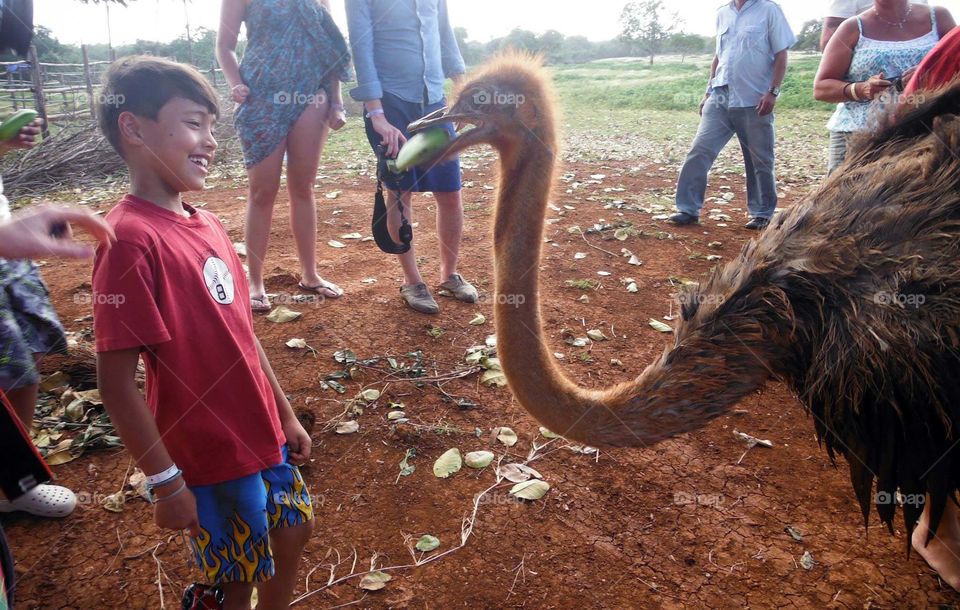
[298, 441]
[130, 415]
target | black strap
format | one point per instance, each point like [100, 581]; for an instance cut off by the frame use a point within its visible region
[381, 234]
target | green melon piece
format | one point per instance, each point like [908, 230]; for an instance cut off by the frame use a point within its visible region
[422, 147]
[14, 123]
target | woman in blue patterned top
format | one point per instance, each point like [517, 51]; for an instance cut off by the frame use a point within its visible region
[869, 54]
[287, 90]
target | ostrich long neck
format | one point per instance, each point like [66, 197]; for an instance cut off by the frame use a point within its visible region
[682, 391]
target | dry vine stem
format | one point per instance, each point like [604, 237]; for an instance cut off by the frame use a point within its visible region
[466, 529]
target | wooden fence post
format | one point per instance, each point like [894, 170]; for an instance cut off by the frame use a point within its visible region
[41, 106]
[89, 81]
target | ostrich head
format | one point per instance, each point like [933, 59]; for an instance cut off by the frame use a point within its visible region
[508, 104]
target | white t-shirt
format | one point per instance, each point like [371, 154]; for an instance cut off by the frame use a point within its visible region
[849, 8]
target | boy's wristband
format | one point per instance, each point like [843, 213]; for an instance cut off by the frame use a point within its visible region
[161, 478]
[374, 112]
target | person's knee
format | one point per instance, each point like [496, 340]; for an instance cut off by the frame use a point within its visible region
[297, 536]
[300, 189]
[264, 194]
[450, 200]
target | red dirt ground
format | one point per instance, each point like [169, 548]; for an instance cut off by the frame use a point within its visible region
[614, 532]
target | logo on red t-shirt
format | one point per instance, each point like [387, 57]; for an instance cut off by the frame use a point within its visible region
[219, 280]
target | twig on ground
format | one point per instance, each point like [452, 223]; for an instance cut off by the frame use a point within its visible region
[159, 573]
[466, 529]
[584, 236]
[520, 570]
[114, 560]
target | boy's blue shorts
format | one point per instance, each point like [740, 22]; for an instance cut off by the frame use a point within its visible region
[236, 518]
[438, 178]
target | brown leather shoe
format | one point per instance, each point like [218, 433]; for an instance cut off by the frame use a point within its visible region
[461, 289]
[418, 297]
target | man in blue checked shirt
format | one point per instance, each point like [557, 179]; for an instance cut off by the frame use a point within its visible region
[403, 51]
[753, 37]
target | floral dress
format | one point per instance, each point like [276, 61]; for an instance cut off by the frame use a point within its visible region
[294, 49]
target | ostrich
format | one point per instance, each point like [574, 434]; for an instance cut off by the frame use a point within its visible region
[851, 298]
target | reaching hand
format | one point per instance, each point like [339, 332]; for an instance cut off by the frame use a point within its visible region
[45, 231]
[240, 93]
[27, 138]
[178, 513]
[873, 87]
[393, 138]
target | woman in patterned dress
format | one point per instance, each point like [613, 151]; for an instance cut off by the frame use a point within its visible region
[287, 90]
[869, 54]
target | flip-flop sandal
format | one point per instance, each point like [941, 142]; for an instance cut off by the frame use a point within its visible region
[324, 289]
[260, 304]
[43, 501]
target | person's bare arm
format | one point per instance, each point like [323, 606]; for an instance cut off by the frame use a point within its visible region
[769, 100]
[298, 441]
[829, 84]
[830, 25]
[232, 13]
[134, 422]
[945, 21]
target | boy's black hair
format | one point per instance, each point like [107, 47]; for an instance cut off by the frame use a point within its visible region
[142, 85]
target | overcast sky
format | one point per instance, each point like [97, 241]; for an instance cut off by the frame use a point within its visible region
[74, 22]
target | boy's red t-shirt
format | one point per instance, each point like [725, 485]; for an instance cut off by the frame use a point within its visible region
[174, 287]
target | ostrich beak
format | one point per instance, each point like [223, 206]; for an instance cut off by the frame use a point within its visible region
[463, 138]
[439, 117]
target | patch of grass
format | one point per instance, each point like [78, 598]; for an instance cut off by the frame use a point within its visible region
[584, 284]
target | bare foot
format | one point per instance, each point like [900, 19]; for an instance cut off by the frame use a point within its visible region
[942, 553]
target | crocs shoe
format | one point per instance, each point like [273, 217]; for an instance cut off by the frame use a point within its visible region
[460, 288]
[43, 501]
[418, 297]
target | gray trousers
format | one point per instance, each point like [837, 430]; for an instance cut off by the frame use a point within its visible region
[838, 149]
[756, 134]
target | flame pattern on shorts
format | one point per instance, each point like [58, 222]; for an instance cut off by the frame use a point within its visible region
[239, 556]
[288, 506]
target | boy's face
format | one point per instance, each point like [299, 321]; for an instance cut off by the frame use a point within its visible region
[179, 144]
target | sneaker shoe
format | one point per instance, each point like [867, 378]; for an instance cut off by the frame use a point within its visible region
[756, 223]
[682, 218]
[43, 501]
[460, 289]
[418, 297]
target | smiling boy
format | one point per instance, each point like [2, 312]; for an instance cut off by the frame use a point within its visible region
[216, 436]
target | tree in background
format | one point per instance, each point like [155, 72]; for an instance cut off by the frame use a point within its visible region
[647, 27]
[688, 44]
[809, 37]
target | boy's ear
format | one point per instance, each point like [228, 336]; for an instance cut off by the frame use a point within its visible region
[129, 125]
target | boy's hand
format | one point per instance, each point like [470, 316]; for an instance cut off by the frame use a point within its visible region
[177, 513]
[298, 442]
